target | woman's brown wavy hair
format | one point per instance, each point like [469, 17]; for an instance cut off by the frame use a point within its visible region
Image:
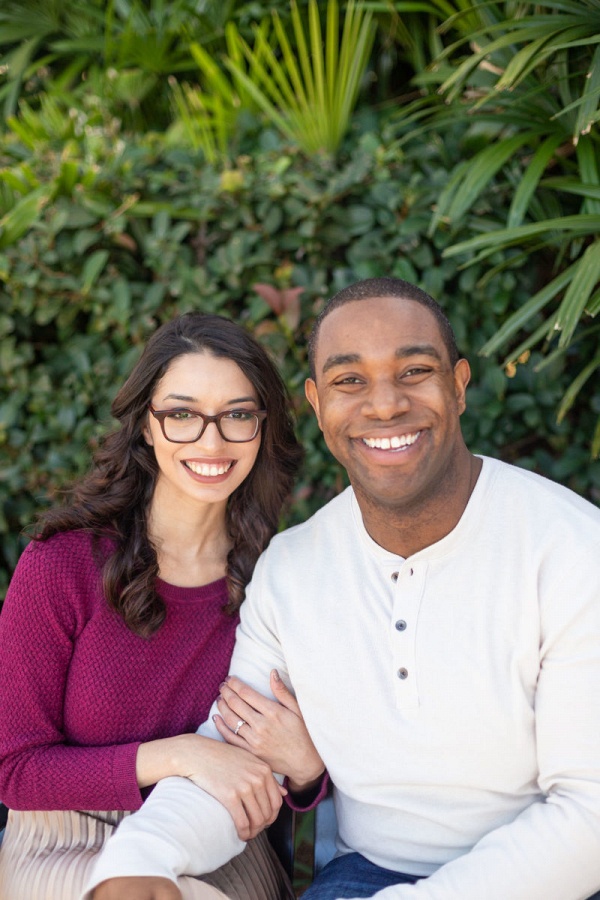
[113, 500]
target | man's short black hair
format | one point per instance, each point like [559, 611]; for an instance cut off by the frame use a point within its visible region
[370, 289]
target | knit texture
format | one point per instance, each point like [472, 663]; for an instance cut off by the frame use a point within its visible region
[79, 691]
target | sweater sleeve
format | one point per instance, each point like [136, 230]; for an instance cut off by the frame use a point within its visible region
[182, 830]
[551, 851]
[316, 795]
[41, 619]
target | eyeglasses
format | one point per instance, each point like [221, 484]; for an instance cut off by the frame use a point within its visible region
[185, 426]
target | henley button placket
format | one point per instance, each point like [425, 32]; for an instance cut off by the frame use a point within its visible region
[407, 592]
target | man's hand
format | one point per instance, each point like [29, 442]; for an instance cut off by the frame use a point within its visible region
[273, 730]
[137, 888]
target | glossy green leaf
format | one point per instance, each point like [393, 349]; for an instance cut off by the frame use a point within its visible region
[92, 269]
[22, 216]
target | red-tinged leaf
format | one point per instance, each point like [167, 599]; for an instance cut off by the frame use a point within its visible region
[272, 297]
[291, 306]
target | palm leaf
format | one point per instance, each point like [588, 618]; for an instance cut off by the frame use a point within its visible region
[521, 317]
[574, 388]
[482, 169]
[309, 90]
[585, 278]
[530, 180]
[581, 224]
[588, 166]
[589, 97]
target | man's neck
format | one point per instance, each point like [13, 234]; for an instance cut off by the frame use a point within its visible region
[406, 529]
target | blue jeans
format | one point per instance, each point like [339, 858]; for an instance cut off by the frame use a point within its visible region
[352, 875]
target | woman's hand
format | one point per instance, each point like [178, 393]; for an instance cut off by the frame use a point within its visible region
[273, 730]
[241, 782]
[137, 888]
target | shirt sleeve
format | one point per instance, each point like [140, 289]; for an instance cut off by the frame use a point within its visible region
[551, 851]
[38, 769]
[180, 829]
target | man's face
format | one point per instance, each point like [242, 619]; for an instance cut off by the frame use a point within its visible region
[388, 400]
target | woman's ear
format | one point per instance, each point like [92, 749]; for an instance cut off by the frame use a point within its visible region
[147, 434]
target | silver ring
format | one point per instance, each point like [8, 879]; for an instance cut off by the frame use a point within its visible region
[239, 725]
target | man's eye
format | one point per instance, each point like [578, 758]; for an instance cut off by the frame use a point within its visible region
[349, 379]
[416, 370]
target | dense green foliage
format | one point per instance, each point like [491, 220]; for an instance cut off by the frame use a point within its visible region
[107, 238]
[159, 157]
[527, 79]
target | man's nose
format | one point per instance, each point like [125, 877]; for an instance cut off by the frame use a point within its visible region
[386, 400]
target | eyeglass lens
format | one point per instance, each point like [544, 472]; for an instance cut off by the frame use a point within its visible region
[237, 425]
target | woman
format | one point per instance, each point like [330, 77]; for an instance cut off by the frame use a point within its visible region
[119, 622]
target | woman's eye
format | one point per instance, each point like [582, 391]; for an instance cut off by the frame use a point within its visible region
[182, 416]
[238, 415]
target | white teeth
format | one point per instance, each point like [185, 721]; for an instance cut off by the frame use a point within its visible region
[394, 443]
[206, 470]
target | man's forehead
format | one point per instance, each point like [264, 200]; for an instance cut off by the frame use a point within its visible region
[391, 325]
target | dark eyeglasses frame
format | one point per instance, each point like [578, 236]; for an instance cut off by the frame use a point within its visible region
[161, 415]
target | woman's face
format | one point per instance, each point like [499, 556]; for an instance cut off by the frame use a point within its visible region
[211, 468]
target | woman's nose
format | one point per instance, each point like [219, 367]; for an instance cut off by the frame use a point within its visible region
[211, 436]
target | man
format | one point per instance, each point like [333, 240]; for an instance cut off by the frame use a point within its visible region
[440, 625]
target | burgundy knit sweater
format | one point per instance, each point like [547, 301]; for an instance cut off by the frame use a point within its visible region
[79, 691]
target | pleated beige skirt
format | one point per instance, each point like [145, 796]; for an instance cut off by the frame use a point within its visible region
[50, 855]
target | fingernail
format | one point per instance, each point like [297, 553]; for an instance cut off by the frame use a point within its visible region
[228, 678]
[214, 718]
[276, 675]
[222, 685]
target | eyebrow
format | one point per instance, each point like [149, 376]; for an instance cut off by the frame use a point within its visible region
[195, 399]
[341, 359]
[344, 359]
[418, 350]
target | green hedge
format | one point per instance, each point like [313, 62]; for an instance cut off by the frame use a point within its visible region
[101, 240]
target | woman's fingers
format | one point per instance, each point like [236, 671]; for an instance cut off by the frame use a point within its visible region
[235, 710]
[228, 734]
[282, 694]
[247, 695]
[241, 782]
[253, 806]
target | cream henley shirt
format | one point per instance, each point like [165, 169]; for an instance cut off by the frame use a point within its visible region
[454, 697]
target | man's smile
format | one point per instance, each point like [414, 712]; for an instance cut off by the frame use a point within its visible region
[396, 442]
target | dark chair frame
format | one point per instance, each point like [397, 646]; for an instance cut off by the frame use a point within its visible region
[282, 835]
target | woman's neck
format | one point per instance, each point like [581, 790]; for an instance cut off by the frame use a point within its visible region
[191, 541]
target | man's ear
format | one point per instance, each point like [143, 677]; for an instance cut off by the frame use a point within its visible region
[462, 376]
[310, 389]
